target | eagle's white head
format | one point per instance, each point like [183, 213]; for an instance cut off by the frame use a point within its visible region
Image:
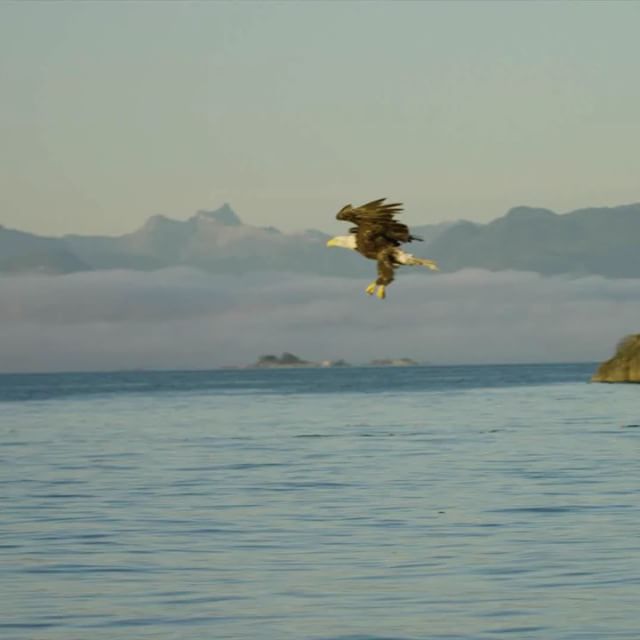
[346, 242]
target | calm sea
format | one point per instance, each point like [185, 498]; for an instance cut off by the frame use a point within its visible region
[365, 503]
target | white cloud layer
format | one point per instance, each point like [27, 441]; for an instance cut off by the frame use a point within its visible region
[181, 318]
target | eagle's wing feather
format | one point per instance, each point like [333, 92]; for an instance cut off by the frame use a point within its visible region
[377, 218]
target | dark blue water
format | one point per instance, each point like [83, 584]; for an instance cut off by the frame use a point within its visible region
[289, 380]
[431, 502]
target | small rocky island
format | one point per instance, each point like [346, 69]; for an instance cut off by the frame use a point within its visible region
[393, 362]
[625, 364]
[290, 360]
[285, 360]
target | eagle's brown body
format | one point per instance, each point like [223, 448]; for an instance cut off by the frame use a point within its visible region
[378, 236]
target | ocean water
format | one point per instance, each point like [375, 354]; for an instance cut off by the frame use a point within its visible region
[367, 503]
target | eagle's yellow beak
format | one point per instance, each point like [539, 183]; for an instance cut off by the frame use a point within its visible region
[332, 243]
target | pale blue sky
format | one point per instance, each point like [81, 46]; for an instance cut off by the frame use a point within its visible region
[115, 111]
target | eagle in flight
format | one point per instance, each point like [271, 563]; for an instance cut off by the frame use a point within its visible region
[378, 236]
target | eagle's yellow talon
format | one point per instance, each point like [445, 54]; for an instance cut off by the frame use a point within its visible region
[371, 288]
[381, 292]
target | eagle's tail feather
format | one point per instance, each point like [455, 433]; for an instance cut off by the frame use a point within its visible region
[403, 257]
[430, 264]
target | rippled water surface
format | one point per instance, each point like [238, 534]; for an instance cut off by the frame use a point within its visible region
[440, 502]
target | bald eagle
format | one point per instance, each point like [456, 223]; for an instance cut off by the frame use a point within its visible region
[378, 236]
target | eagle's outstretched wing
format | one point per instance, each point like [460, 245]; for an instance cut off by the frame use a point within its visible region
[377, 218]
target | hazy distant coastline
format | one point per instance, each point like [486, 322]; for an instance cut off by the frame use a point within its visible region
[599, 241]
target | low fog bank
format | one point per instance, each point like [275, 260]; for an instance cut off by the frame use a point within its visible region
[181, 318]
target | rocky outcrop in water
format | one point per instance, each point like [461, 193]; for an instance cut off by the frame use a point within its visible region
[625, 364]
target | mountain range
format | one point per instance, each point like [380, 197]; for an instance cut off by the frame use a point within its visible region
[600, 241]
